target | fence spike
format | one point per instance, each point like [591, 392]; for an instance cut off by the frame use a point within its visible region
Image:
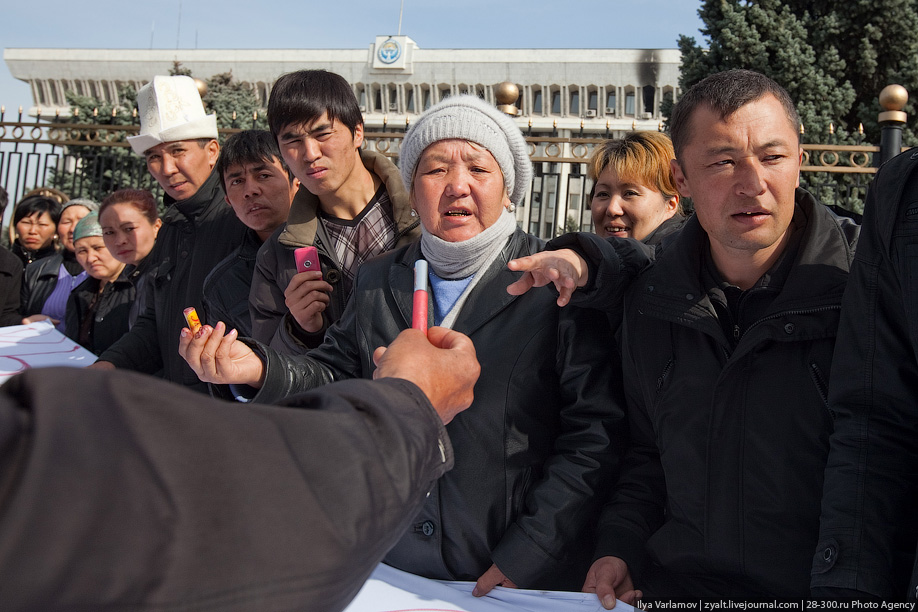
[255, 116]
[801, 129]
[95, 112]
[860, 129]
[234, 115]
[831, 128]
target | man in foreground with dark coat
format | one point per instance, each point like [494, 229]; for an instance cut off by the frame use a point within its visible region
[121, 491]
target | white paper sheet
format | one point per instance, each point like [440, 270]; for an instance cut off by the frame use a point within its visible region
[390, 590]
[38, 345]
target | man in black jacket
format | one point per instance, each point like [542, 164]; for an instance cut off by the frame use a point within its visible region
[178, 141]
[120, 491]
[727, 342]
[868, 529]
[259, 187]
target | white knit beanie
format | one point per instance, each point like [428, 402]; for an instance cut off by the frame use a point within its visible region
[470, 118]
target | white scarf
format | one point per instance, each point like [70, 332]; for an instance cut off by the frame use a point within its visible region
[455, 260]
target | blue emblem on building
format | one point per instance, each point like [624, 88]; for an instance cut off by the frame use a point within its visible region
[389, 52]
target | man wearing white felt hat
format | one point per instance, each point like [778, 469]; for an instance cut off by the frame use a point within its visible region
[178, 139]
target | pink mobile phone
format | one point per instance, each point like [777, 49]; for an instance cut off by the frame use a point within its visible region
[307, 259]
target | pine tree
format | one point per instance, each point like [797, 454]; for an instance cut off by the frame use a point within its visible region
[834, 58]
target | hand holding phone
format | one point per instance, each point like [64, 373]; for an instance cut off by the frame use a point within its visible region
[307, 297]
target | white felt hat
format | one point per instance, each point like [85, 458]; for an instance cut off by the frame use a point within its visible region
[171, 110]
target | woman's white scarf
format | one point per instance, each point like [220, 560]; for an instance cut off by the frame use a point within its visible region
[455, 260]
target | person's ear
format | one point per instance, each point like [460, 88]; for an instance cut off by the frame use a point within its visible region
[681, 181]
[358, 136]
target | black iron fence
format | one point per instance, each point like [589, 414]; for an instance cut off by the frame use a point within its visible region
[93, 160]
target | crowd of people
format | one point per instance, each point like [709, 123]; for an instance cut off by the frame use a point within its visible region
[693, 407]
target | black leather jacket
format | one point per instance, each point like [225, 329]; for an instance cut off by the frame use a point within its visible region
[110, 319]
[535, 449]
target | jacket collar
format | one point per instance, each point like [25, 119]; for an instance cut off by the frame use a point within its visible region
[487, 299]
[195, 205]
[672, 288]
[302, 223]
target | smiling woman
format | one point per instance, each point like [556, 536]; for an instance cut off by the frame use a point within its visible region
[634, 194]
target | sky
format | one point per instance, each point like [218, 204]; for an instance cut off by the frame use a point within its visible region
[339, 24]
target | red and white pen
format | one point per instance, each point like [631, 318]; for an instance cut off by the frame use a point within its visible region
[419, 306]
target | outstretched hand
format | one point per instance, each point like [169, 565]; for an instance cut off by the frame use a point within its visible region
[221, 359]
[565, 268]
[609, 578]
[442, 363]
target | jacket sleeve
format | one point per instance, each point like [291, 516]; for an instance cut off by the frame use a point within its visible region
[299, 504]
[138, 350]
[613, 263]
[635, 509]
[555, 529]
[338, 358]
[867, 526]
[10, 287]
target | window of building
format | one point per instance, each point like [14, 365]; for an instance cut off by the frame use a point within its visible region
[593, 100]
[377, 99]
[610, 100]
[393, 98]
[629, 103]
[362, 98]
[556, 102]
[425, 97]
[409, 98]
[648, 98]
[445, 92]
[536, 100]
[574, 108]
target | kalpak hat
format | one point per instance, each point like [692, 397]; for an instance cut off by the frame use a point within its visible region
[171, 110]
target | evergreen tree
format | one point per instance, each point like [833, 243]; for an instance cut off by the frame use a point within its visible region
[834, 58]
[96, 170]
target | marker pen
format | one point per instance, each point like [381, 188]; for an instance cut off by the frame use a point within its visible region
[419, 306]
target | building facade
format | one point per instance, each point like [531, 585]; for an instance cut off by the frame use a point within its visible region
[563, 93]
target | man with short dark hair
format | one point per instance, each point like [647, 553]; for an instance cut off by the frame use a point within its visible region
[351, 206]
[727, 343]
[179, 142]
[259, 187]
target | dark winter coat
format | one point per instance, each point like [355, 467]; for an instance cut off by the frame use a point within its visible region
[868, 527]
[226, 288]
[10, 281]
[723, 483]
[111, 317]
[272, 323]
[197, 233]
[532, 453]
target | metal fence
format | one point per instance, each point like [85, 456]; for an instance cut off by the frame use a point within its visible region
[93, 160]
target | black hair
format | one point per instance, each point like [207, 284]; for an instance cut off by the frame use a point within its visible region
[250, 147]
[725, 93]
[301, 97]
[30, 205]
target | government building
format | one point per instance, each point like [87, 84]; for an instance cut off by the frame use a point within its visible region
[563, 93]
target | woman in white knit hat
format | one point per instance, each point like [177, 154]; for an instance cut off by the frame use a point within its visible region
[540, 440]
